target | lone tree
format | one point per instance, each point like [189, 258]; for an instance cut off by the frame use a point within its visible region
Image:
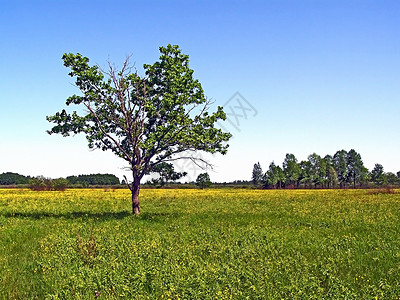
[167, 173]
[257, 174]
[146, 120]
[203, 180]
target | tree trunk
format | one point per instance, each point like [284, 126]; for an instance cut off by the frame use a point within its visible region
[135, 196]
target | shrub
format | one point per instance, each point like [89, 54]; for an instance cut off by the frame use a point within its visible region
[60, 184]
[40, 183]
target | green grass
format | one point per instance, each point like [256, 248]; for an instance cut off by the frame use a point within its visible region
[194, 244]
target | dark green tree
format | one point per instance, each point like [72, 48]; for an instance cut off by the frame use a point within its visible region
[355, 168]
[364, 176]
[203, 180]
[340, 164]
[167, 173]
[331, 177]
[329, 160]
[274, 176]
[330, 174]
[291, 170]
[378, 175]
[257, 174]
[305, 173]
[317, 169]
[391, 178]
[145, 120]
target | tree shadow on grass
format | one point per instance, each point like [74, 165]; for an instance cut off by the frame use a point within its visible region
[37, 215]
[67, 215]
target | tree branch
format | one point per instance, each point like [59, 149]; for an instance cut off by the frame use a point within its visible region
[106, 133]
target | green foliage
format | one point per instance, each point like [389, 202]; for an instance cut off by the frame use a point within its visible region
[274, 177]
[378, 175]
[305, 173]
[203, 180]
[209, 244]
[356, 170]
[317, 169]
[41, 183]
[332, 179]
[257, 174]
[167, 173]
[391, 178]
[340, 165]
[291, 170]
[60, 184]
[94, 179]
[10, 178]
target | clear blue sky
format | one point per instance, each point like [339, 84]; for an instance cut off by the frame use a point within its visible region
[321, 75]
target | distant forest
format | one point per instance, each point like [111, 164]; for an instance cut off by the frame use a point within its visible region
[342, 170]
[10, 178]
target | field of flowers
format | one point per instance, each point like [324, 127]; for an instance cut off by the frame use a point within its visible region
[200, 244]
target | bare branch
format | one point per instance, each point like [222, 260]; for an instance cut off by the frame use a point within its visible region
[195, 160]
[127, 183]
[106, 133]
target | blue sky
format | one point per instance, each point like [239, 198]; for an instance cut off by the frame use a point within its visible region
[321, 75]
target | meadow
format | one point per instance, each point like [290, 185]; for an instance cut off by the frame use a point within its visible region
[200, 244]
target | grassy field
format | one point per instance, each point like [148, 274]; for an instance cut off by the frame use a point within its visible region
[200, 244]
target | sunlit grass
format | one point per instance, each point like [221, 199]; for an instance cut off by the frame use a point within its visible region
[200, 244]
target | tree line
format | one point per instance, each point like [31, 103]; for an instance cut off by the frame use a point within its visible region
[342, 170]
[10, 178]
[94, 179]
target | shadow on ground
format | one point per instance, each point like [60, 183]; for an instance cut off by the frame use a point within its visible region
[36, 215]
[67, 215]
